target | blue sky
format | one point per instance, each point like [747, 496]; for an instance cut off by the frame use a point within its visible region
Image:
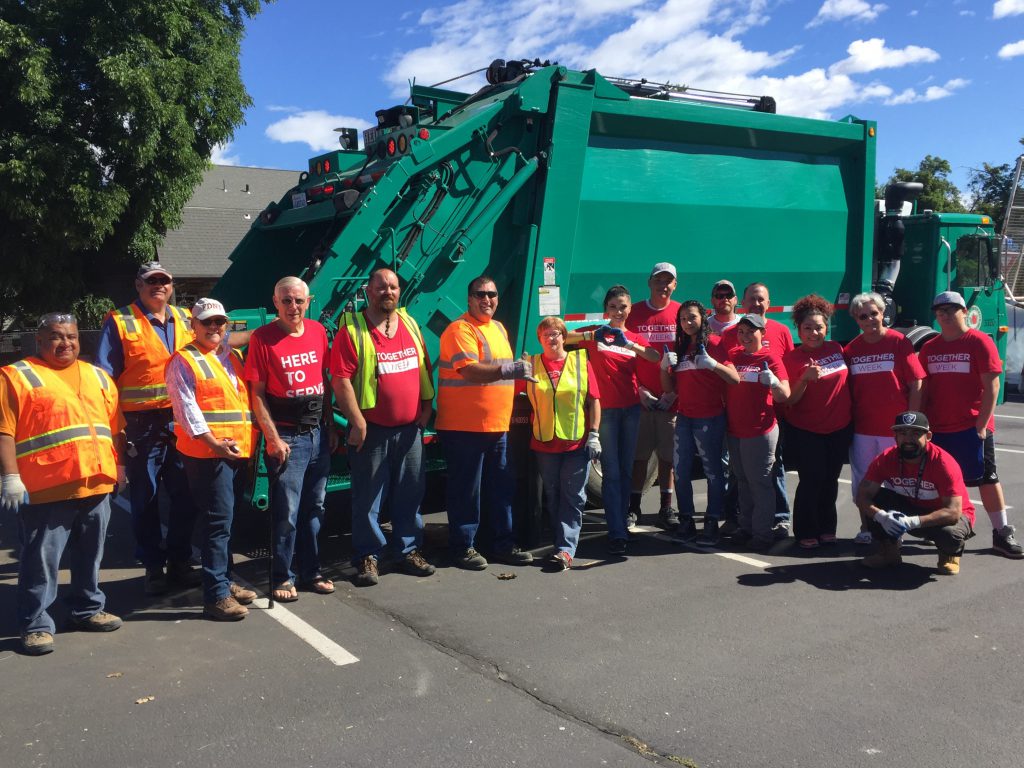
[939, 77]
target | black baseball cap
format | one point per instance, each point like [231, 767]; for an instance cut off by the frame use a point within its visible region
[911, 420]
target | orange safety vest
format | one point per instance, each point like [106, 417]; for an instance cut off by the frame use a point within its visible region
[141, 383]
[225, 406]
[62, 435]
[467, 406]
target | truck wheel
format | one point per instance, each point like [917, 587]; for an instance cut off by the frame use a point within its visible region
[594, 497]
[918, 335]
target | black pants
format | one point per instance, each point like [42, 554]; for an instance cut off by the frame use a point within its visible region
[948, 539]
[819, 459]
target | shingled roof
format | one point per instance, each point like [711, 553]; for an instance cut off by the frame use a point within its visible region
[221, 210]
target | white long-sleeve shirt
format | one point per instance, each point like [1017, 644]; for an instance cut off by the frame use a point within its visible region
[181, 388]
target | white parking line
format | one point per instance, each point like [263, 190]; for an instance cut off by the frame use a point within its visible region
[1007, 416]
[662, 536]
[305, 631]
[1008, 450]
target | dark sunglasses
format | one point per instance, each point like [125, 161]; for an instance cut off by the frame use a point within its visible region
[214, 321]
[723, 295]
[158, 280]
[484, 294]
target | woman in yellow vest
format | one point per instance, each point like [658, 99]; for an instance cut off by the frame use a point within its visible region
[213, 426]
[566, 417]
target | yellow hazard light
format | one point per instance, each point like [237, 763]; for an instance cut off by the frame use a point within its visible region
[985, 219]
[871, 131]
[1004, 328]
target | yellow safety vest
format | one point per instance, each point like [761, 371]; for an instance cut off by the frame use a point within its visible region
[365, 380]
[558, 411]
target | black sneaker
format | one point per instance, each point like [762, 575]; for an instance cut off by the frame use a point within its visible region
[514, 556]
[709, 537]
[780, 531]
[686, 530]
[1005, 543]
[616, 546]
[668, 518]
[728, 529]
[416, 565]
[471, 560]
[155, 582]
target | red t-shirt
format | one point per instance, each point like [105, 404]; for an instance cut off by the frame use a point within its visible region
[776, 338]
[554, 371]
[825, 405]
[941, 478]
[954, 379]
[700, 394]
[398, 375]
[879, 376]
[658, 329]
[290, 366]
[749, 404]
[615, 368]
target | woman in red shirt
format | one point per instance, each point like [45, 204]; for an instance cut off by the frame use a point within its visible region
[694, 371]
[753, 430]
[565, 423]
[818, 422]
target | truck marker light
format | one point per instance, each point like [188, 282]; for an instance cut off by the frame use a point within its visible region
[327, 166]
[985, 220]
[424, 134]
[315, 191]
[1004, 328]
[319, 169]
[391, 146]
[871, 131]
[403, 144]
[329, 189]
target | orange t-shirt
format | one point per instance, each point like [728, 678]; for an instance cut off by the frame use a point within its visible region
[461, 404]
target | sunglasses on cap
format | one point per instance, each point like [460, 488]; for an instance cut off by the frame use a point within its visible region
[158, 280]
[209, 321]
[484, 294]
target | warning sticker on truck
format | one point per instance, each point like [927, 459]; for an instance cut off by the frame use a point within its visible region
[549, 300]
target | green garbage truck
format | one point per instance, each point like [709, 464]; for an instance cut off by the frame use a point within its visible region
[561, 183]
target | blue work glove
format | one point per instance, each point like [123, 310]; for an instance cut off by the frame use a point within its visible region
[890, 523]
[767, 377]
[593, 446]
[13, 493]
[609, 335]
[910, 522]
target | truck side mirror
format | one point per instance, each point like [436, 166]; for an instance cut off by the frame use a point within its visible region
[994, 260]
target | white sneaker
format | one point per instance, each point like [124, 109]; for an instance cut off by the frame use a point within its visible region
[864, 537]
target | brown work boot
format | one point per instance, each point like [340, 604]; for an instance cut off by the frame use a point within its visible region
[887, 556]
[225, 609]
[949, 565]
[101, 621]
[241, 594]
[36, 643]
[368, 574]
[416, 565]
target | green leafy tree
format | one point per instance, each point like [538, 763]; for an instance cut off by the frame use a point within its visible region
[109, 115]
[940, 194]
[990, 187]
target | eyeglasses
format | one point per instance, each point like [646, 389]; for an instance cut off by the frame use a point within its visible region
[290, 300]
[158, 280]
[552, 335]
[218, 321]
[722, 295]
[484, 294]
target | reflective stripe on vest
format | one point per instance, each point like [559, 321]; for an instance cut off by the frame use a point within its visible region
[558, 411]
[62, 434]
[486, 356]
[141, 383]
[223, 403]
[364, 382]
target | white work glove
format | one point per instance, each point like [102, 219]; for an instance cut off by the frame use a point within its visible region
[517, 369]
[593, 446]
[669, 360]
[666, 401]
[648, 399]
[910, 522]
[767, 377]
[609, 335]
[703, 360]
[14, 492]
[890, 523]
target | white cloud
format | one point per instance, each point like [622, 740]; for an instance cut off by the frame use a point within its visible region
[315, 128]
[869, 55]
[1010, 50]
[932, 93]
[281, 108]
[1004, 8]
[220, 156]
[846, 10]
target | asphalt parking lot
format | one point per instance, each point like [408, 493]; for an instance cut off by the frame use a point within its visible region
[673, 655]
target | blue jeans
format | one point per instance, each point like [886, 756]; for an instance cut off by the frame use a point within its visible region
[388, 468]
[478, 460]
[782, 512]
[297, 504]
[704, 437]
[564, 476]
[213, 484]
[157, 460]
[619, 427]
[44, 530]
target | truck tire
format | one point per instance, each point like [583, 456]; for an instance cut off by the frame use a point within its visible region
[918, 335]
[594, 496]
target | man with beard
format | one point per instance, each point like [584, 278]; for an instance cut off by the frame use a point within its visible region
[382, 383]
[915, 487]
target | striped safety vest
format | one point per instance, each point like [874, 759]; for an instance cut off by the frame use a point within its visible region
[558, 411]
[225, 406]
[141, 383]
[62, 435]
[364, 382]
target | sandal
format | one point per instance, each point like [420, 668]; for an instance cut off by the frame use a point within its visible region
[320, 585]
[286, 593]
[808, 543]
[827, 538]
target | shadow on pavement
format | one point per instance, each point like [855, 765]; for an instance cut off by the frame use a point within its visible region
[841, 575]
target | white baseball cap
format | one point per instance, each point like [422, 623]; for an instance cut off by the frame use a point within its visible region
[204, 308]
